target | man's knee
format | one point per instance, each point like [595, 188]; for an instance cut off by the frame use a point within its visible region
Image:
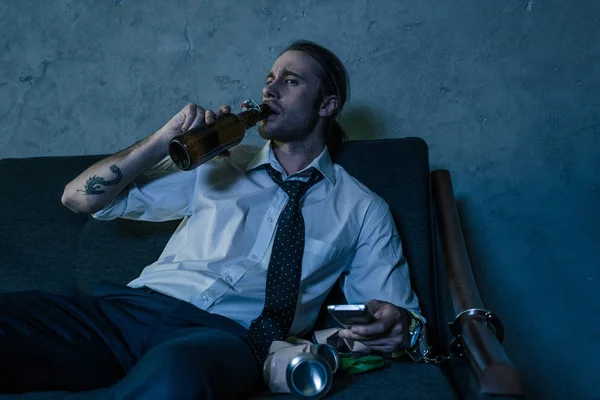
[214, 364]
[204, 364]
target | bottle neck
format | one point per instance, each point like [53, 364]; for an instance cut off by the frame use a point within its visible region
[252, 116]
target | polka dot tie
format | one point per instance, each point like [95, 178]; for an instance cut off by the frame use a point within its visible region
[285, 269]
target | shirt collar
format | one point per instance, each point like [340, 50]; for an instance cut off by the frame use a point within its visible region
[322, 163]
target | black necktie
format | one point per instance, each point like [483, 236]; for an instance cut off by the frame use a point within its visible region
[285, 269]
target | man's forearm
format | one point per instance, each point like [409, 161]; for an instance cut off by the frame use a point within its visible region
[102, 182]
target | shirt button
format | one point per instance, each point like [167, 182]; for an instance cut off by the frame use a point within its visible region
[254, 257]
[228, 279]
[270, 220]
[204, 298]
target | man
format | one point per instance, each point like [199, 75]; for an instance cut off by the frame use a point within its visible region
[265, 235]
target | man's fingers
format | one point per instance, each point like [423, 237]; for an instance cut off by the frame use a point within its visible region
[386, 333]
[223, 110]
[378, 327]
[209, 117]
[189, 114]
[199, 118]
[363, 332]
[375, 307]
[194, 116]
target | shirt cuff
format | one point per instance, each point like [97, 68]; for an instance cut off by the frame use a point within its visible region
[114, 209]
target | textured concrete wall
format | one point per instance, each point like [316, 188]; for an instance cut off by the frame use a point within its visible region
[505, 92]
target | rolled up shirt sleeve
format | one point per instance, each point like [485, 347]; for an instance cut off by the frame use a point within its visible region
[162, 193]
[378, 269]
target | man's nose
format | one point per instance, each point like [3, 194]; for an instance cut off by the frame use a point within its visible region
[270, 91]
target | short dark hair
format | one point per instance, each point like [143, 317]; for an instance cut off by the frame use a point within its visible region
[334, 81]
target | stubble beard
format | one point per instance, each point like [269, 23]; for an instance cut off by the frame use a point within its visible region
[287, 130]
[281, 132]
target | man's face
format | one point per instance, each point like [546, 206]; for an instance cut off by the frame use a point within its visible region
[293, 91]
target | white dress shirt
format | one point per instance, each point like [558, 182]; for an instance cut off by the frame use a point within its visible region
[217, 259]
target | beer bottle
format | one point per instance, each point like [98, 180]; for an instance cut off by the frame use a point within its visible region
[200, 144]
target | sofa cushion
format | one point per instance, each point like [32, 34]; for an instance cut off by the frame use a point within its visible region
[398, 171]
[70, 253]
[39, 238]
[398, 380]
[45, 246]
[118, 250]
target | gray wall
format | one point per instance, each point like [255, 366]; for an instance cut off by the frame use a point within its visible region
[505, 92]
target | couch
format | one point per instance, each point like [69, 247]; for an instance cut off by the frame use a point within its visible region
[45, 246]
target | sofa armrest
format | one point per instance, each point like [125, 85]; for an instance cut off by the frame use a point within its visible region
[478, 333]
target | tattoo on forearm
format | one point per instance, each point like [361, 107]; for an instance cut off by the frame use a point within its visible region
[94, 183]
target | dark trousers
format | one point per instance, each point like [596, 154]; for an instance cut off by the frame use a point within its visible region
[125, 343]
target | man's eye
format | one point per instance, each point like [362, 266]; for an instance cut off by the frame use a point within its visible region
[290, 81]
[269, 81]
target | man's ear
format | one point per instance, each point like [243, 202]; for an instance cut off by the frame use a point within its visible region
[329, 106]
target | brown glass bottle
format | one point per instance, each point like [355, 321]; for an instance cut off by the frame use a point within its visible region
[200, 144]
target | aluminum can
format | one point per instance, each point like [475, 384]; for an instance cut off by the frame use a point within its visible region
[309, 376]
